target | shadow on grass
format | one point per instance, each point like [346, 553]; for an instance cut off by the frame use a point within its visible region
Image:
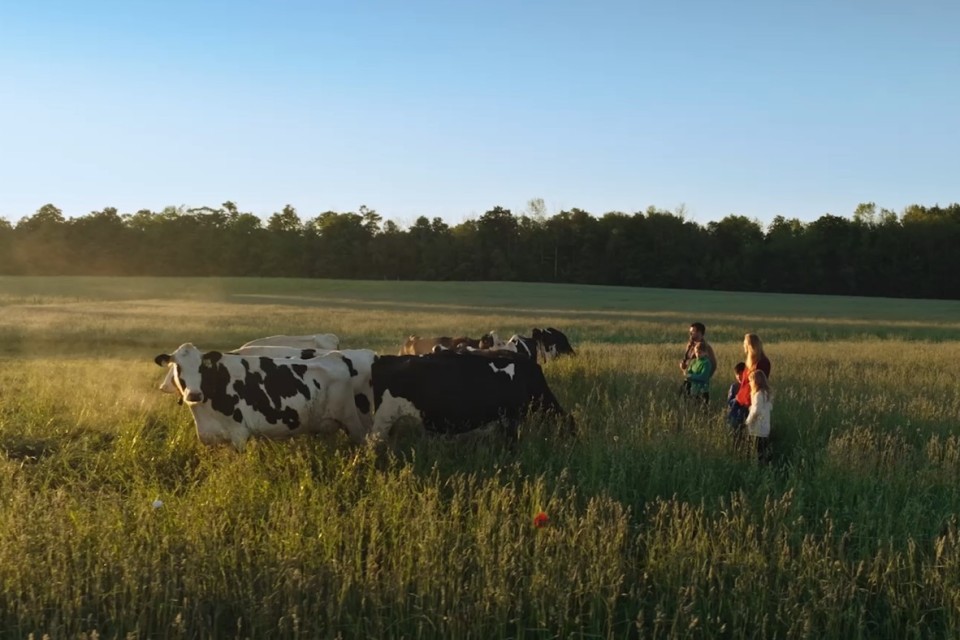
[28, 449]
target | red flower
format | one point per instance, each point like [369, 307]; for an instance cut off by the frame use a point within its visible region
[541, 520]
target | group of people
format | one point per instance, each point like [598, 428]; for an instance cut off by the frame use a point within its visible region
[749, 399]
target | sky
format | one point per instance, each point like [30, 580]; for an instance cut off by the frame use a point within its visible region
[448, 108]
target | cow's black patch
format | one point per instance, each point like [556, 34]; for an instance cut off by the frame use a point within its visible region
[265, 391]
[362, 402]
[349, 362]
[306, 354]
[214, 383]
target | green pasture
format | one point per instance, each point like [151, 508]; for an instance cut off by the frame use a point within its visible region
[659, 526]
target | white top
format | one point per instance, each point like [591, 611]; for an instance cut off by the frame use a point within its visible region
[758, 420]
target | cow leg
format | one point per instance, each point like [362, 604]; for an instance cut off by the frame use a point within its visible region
[391, 409]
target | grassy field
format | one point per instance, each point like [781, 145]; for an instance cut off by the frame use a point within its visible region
[658, 526]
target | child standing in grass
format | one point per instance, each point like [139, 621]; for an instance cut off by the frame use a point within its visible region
[736, 414]
[698, 372]
[758, 419]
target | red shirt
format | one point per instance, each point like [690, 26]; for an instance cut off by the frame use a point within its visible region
[743, 395]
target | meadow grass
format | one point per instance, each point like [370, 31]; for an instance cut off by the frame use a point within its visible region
[659, 524]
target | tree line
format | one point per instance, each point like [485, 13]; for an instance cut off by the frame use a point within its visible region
[875, 252]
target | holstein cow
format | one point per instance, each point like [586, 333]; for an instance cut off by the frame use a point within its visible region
[233, 397]
[358, 361]
[554, 343]
[314, 341]
[455, 392]
[543, 345]
[415, 345]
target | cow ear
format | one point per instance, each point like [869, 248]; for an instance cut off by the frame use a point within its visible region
[162, 360]
[536, 333]
[211, 358]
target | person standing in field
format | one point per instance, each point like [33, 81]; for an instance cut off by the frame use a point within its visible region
[758, 418]
[697, 336]
[698, 374]
[756, 360]
[736, 414]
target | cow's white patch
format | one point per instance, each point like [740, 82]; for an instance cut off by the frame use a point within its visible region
[391, 409]
[509, 369]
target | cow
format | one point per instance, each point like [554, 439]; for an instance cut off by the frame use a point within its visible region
[358, 360]
[415, 345]
[452, 392]
[234, 397]
[542, 345]
[527, 347]
[314, 341]
[554, 343]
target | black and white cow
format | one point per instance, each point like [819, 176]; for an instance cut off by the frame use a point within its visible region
[233, 397]
[553, 342]
[452, 392]
[326, 341]
[526, 347]
[542, 345]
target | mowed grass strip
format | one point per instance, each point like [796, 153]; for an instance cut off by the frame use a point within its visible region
[658, 524]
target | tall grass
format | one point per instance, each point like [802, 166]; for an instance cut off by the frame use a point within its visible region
[659, 524]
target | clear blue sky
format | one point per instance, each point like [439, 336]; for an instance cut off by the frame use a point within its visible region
[449, 108]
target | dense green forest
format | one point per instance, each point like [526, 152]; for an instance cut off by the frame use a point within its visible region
[876, 252]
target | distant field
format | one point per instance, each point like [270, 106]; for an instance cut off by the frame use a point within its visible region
[659, 526]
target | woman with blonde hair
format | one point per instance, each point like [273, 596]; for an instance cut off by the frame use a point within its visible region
[756, 360]
[758, 419]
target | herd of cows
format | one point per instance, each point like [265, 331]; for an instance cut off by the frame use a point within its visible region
[283, 386]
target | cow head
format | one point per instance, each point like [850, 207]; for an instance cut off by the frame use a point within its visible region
[186, 365]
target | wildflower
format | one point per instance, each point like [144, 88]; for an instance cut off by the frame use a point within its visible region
[541, 520]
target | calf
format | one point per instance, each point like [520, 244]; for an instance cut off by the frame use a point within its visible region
[233, 397]
[455, 392]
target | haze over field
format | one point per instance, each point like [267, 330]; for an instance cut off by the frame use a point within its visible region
[448, 109]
